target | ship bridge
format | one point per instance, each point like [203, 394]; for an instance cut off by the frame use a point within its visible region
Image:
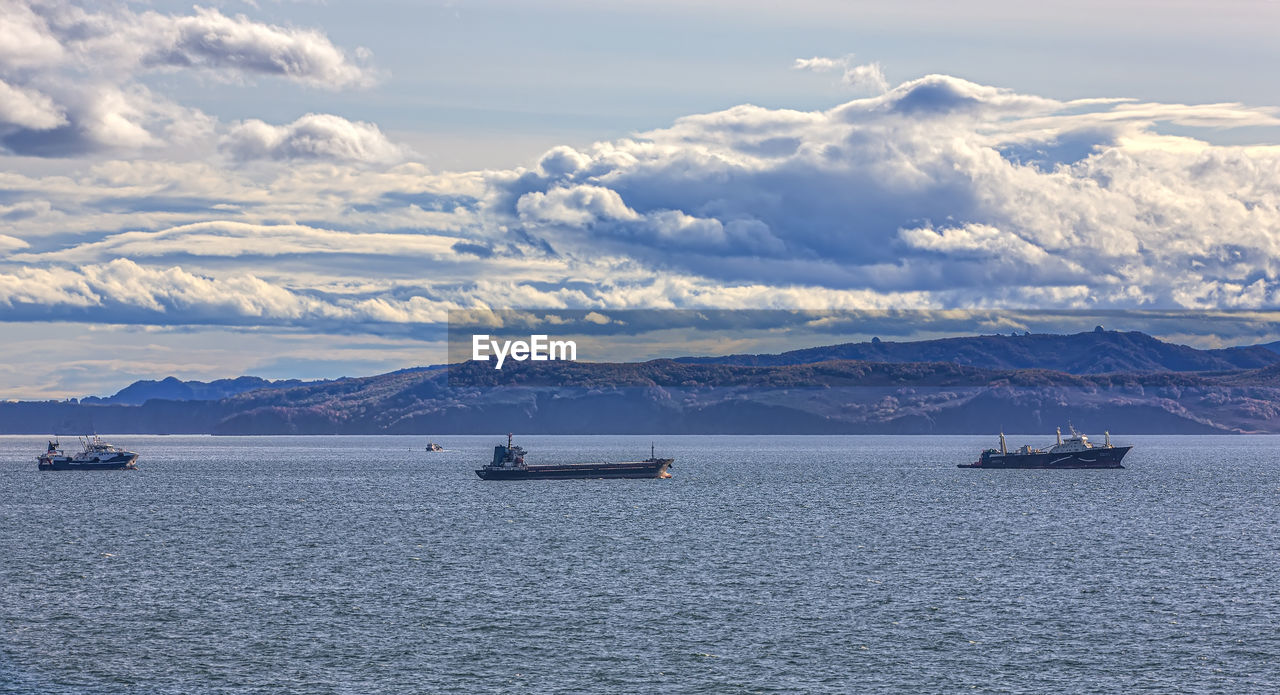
[1076, 442]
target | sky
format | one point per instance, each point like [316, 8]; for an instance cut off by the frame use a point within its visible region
[305, 190]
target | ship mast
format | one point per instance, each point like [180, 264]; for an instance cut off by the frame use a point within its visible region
[1003, 449]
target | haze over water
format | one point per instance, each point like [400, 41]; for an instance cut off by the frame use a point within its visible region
[766, 564]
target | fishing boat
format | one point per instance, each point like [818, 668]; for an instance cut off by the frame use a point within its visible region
[96, 455]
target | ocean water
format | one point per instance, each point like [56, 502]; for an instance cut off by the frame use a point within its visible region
[765, 565]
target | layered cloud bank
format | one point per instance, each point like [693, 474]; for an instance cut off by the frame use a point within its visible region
[937, 193]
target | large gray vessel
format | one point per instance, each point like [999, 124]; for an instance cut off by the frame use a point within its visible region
[1075, 452]
[508, 464]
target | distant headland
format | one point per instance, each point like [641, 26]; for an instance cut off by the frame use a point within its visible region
[1129, 382]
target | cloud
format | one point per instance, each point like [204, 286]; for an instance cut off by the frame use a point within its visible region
[70, 74]
[867, 77]
[976, 240]
[935, 96]
[106, 117]
[225, 239]
[575, 206]
[313, 136]
[28, 108]
[939, 193]
[213, 41]
[26, 40]
[123, 291]
[124, 40]
[967, 192]
[8, 243]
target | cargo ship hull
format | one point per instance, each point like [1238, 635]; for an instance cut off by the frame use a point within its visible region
[578, 471]
[1098, 457]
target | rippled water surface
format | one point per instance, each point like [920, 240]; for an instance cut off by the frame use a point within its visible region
[766, 564]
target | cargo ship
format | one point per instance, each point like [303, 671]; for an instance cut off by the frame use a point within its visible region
[508, 464]
[96, 456]
[1075, 452]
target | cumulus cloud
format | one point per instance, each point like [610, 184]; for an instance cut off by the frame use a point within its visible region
[69, 73]
[213, 41]
[46, 34]
[575, 206]
[861, 76]
[944, 95]
[313, 136]
[930, 187]
[103, 117]
[939, 193]
[28, 108]
[26, 39]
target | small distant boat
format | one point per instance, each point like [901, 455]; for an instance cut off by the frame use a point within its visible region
[508, 464]
[1075, 452]
[432, 446]
[96, 456]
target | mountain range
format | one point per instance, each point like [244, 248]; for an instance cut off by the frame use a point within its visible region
[1125, 382]
[172, 389]
[1096, 352]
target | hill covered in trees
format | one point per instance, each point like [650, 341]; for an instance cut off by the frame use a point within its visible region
[1178, 390]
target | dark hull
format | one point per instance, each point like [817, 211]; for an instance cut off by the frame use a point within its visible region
[112, 466]
[1093, 458]
[579, 471]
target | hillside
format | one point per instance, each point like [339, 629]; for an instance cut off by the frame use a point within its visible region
[1125, 382]
[1095, 352]
[173, 389]
[668, 396]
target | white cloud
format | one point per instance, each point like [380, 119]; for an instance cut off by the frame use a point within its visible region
[867, 77]
[576, 206]
[118, 39]
[213, 41]
[313, 136]
[944, 95]
[1032, 199]
[134, 293]
[8, 243]
[225, 239]
[25, 38]
[939, 193]
[979, 240]
[69, 76]
[28, 108]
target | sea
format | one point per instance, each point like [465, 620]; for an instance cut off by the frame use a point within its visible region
[766, 564]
